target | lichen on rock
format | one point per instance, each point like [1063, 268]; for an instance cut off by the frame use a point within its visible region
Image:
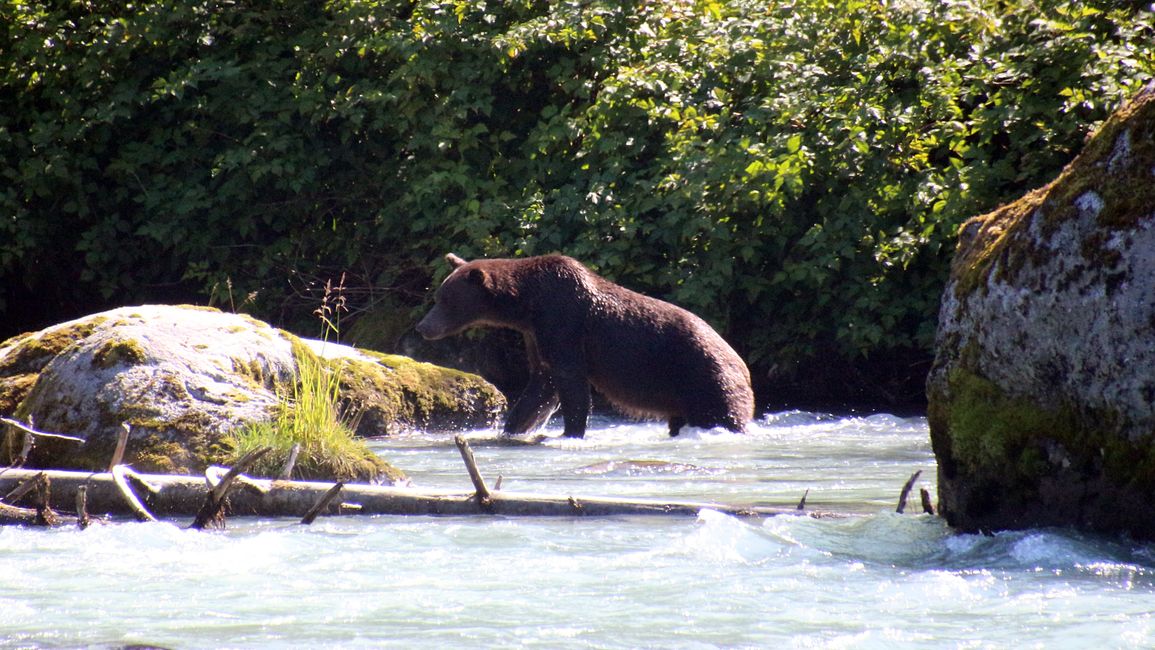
[1042, 395]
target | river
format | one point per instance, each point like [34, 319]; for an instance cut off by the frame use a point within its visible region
[876, 579]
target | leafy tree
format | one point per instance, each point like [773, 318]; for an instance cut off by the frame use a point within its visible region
[793, 171]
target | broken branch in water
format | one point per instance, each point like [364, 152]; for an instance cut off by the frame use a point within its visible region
[290, 462]
[44, 513]
[211, 512]
[906, 491]
[322, 503]
[214, 475]
[484, 498]
[121, 443]
[25, 487]
[120, 475]
[82, 520]
[927, 507]
[30, 435]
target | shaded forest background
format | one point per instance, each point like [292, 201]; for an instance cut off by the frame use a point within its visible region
[794, 172]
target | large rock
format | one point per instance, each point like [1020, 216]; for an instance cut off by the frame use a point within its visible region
[1042, 396]
[183, 377]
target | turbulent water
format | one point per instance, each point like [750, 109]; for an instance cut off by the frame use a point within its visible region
[876, 579]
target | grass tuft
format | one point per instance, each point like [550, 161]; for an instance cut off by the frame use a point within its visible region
[309, 414]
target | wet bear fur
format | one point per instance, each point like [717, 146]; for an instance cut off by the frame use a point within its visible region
[649, 358]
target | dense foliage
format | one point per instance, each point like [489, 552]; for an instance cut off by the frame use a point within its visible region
[794, 171]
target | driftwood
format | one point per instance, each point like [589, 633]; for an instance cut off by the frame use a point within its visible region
[27, 429]
[906, 491]
[927, 506]
[32, 483]
[120, 475]
[182, 496]
[290, 462]
[211, 513]
[481, 492]
[322, 503]
[82, 520]
[121, 443]
[39, 484]
[30, 435]
[170, 496]
[45, 515]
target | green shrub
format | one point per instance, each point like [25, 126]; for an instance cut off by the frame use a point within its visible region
[794, 172]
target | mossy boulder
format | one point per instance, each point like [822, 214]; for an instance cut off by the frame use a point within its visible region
[1042, 394]
[385, 394]
[183, 377]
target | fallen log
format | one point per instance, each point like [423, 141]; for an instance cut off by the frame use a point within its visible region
[183, 496]
[11, 515]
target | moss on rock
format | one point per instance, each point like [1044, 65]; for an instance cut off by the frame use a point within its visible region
[116, 352]
[398, 392]
[27, 354]
[1112, 177]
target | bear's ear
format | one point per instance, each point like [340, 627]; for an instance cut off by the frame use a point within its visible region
[454, 260]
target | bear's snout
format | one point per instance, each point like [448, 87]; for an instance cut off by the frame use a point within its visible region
[438, 324]
[428, 329]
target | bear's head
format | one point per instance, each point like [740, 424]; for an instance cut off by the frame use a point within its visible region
[463, 299]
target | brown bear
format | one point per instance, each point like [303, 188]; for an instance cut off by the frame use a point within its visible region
[648, 357]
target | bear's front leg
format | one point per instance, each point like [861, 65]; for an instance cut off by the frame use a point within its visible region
[534, 407]
[574, 392]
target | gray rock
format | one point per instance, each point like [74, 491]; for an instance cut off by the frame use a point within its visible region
[183, 377]
[1042, 396]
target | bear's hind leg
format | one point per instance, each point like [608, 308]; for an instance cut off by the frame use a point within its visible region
[676, 424]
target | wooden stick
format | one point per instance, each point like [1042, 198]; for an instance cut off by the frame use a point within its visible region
[120, 475]
[290, 462]
[906, 491]
[44, 514]
[802, 503]
[927, 506]
[25, 450]
[24, 488]
[322, 503]
[211, 512]
[30, 430]
[242, 466]
[121, 443]
[82, 520]
[215, 474]
[483, 496]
